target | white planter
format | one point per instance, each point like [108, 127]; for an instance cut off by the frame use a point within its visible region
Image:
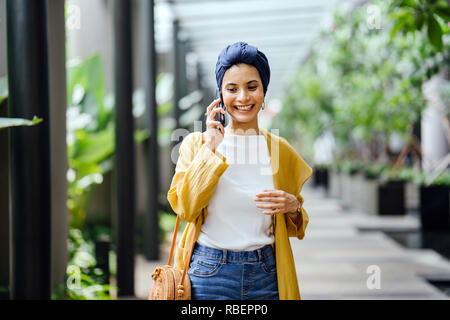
[359, 191]
[346, 189]
[371, 196]
[335, 184]
[412, 196]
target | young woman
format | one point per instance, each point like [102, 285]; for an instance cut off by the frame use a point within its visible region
[238, 187]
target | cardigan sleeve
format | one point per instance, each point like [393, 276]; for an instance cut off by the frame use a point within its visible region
[195, 179]
[297, 229]
[301, 172]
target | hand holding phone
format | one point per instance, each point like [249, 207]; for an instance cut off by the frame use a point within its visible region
[221, 116]
[215, 130]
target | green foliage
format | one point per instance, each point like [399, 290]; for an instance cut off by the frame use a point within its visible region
[362, 84]
[83, 277]
[443, 179]
[18, 122]
[407, 173]
[415, 15]
[167, 223]
[351, 166]
[91, 147]
[3, 89]
[373, 171]
[90, 133]
[90, 128]
[164, 94]
[321, 166]
[86, 77]
[13, 122]
[403, 173]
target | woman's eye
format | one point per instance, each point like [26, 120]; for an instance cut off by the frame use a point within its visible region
[234, 89]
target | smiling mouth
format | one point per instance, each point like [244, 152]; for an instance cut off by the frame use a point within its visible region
[246, 108]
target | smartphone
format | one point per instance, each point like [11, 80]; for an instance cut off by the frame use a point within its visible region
[220, 116]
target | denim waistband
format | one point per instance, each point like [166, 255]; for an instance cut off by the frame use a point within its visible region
[234, 256]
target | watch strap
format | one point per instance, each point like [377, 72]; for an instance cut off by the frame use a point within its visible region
[299, 206]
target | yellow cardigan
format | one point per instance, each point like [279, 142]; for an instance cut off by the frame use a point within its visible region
[197, 173]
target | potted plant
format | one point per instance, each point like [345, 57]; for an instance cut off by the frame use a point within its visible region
[321, 176]
[350, 191]
[334, 177]
[412, 197]
[369, 188]
[434, 202]
[382, 190]
[391, 193]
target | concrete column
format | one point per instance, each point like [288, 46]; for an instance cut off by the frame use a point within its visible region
[58, 147]
[433, 140]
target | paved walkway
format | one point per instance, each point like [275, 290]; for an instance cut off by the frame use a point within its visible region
[336, 260]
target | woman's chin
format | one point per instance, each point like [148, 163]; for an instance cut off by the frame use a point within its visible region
[243, 118]
[245, 115]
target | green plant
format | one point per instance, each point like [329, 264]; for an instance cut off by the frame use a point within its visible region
[167, 223]
[415, 15]
[18, 122]
[364, 85]
[83, 277]
[90, 133]
[402, 174]
[321, 166]
[336, 165]
[90, 129]
[3, 89]
[443, 179]
[13, 122]
[373, 171]
[90, 146]
[90, 141]
[351, 166]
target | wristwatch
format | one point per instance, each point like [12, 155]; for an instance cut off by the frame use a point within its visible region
[299, 207]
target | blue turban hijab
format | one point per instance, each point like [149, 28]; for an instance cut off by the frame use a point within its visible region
[241, 52]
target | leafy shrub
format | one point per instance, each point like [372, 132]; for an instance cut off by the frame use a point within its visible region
[351, 166]
[373, 171]
[84, 278]
[423, 179]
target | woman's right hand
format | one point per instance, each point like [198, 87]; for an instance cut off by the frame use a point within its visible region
[214, 129]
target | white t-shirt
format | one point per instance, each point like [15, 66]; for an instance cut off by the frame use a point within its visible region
[233, 221]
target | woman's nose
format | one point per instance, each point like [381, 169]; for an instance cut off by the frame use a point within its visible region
[243, 95]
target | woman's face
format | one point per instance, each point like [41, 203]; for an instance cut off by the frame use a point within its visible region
[242, 87]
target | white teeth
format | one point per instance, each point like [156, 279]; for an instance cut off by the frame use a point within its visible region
[244, 108]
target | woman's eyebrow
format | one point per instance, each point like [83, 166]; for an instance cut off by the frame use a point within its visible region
[233, 84]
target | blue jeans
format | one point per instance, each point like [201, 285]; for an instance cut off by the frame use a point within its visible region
[233, 275]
